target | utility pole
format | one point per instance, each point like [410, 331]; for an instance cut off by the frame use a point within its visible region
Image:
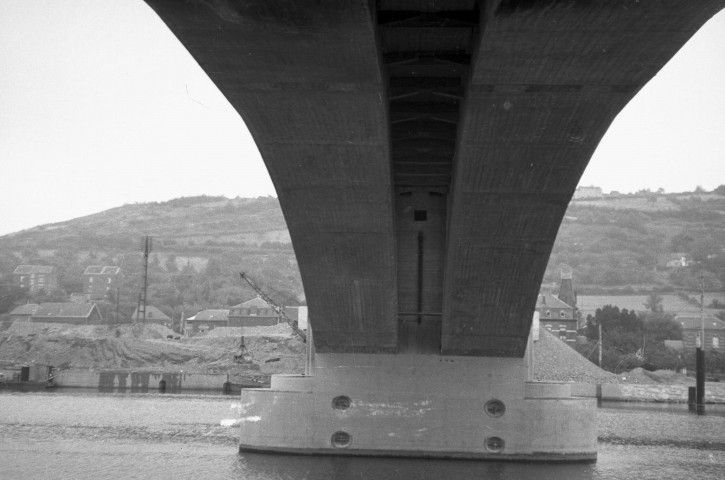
[600, 344]
[700, 354]
[146, 245]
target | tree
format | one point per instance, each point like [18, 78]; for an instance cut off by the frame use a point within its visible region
[623, 337]
[659, 327]
[654, 303]
[170, 264]
[10, 297]
[213, 268]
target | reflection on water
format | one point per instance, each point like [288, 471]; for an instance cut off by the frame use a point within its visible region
[88, 435]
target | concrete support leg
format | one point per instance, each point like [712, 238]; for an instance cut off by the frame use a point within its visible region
[420, 406]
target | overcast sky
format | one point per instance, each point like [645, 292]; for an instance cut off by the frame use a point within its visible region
[101, 106]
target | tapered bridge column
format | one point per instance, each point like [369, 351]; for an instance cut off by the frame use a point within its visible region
[424, 153]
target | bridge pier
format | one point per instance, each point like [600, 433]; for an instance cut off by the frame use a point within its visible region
[419, 406]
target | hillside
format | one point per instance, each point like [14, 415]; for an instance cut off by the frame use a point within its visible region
[618, 244]
[200, 244]
[621, 244]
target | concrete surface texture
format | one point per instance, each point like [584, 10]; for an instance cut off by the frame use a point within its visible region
[424, 152]
[413, 405]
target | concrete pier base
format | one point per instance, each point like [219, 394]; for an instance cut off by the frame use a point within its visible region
[419, 406]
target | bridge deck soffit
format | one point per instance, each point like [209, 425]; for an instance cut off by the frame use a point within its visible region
[424, 153]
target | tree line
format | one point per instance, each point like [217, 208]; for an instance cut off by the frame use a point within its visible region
[630, 340]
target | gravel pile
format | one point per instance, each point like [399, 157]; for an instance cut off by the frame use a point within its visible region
[556, 361]
[638, 376]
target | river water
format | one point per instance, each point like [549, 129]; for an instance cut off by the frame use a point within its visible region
[87, 435]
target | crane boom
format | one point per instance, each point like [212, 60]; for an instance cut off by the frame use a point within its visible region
[277, 309]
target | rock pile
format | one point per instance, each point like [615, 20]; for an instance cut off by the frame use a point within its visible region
[556, 361]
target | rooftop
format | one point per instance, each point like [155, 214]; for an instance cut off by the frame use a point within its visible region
[64, 310]
[694, 323]
[255, 302]
[547, 300]
[27, 269]
[210, 315]
[27, 309]
[102, 270]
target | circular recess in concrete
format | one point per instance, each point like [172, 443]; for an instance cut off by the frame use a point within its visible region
[495, 408]
[494, 444]
[341, 402]
[341, 439]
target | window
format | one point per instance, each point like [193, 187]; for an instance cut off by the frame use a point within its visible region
[341, 402]
[715, 342]
[548, 314]
[90, 279]
[562, 314]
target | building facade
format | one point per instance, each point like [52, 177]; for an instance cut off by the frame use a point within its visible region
[153, 315]
[253, 313]
[557, 317]
[99, 280]
[205, 321]
[36, 277]
[588, 192]
[692, 327]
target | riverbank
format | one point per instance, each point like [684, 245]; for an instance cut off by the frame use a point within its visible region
[138, 358]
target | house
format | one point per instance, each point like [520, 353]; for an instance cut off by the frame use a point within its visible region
[691, 328]
[23, 313]
[206, 320]
[588, 192]
[99, 280]
[36, 277]
[557, 316]
[677, 260]
[253, 313]
[69, 313]
[153, 315]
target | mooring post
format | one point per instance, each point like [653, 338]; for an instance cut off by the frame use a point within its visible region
[700, 379]
[691, 398]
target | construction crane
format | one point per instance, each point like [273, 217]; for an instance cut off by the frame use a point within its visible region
[277, 309]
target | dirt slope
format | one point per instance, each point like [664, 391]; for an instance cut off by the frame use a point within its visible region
[268, 350]
[148, 347]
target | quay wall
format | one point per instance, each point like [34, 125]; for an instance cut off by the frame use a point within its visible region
[141, 382]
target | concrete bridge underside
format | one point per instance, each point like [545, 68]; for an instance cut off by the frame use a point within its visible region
[424, 153]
